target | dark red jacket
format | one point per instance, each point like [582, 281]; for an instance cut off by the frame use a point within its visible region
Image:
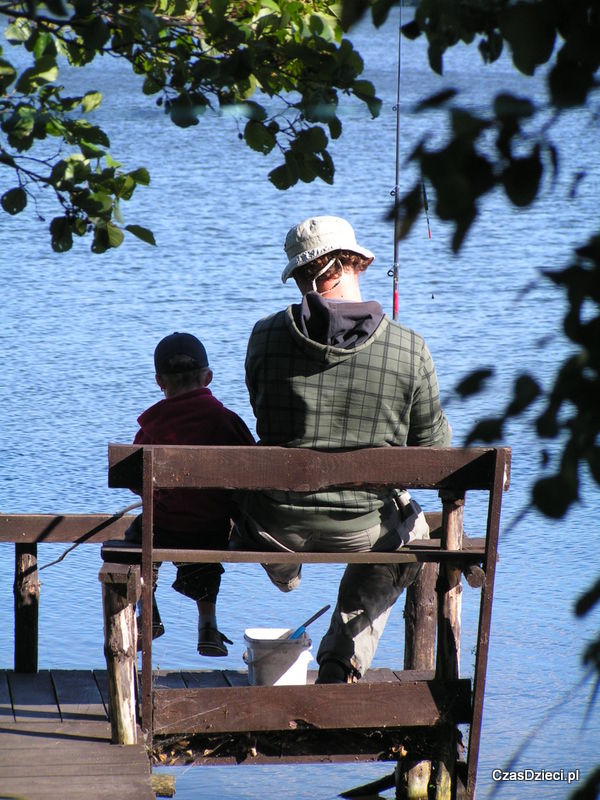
[194, 417]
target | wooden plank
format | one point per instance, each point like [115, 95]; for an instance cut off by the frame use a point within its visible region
[78, 695]
[303, 469]
[6, 712]
[236, 677]
[101, 678]
[33, 697]
[50, 734]
[46, 788]
[361, 705]
[501, 469]
[40, 528]
[161, 679]
[205, 679]
[424, 551]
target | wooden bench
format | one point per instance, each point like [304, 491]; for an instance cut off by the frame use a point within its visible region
[433, 701]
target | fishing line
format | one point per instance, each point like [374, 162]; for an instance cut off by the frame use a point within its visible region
[91, 533]
[393, 273]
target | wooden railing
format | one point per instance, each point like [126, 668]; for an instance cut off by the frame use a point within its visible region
[449, 472]
[27, 532]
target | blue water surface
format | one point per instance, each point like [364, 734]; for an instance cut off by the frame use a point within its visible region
[77, 336]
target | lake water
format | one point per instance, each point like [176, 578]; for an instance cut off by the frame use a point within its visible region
[78, 332]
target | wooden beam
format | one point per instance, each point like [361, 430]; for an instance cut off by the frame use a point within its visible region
[303, 469]
[422, 551]
[26, 607]
[41, 528]
[262, 708]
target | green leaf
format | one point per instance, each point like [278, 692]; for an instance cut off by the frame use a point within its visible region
[144, 234]
[521, 179]
[365, 91]
[335, 127]
[90, 101]
[526, 390]
[61, 235]
[259, 137]
[149, 23]
[509, 105]
[311, 140]
[283, 177]
[530, 30]
[115, 235]
[14, 201]
[436, 100]
[44, 71]
[488, 430]
[7, 74]
[140, 175]
[473, 383]
[554, 495]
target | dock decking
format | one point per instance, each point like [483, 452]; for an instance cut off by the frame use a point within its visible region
[55, 740]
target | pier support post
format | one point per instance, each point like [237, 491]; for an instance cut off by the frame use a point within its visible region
[420, 623]
[120, 593]
[449, 623]
[27, 601]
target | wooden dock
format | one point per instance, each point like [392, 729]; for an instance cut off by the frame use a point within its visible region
[55, 740]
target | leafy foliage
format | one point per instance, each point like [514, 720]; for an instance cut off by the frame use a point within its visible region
[564, 35]
[195, 56]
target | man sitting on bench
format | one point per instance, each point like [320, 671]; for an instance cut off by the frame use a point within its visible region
[335, 372]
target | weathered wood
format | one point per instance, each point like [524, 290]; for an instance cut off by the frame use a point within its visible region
[449, 624]
[262, 708]
[162, 785]
[120, 639]
[420, 624]
[33, 697]
[6, 712]
[499, 482]
[26, 606]
[147, 561]
[423, 551]
[125, 578]
[45, 755]
[420, 620]
[302, 469]
[450, 471]
[77, 695]
[48, 528]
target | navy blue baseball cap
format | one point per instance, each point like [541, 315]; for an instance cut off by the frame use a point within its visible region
[179, 344]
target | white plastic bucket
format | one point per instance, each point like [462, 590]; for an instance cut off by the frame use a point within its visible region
[275, 660]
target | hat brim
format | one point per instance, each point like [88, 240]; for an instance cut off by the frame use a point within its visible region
[309, 255]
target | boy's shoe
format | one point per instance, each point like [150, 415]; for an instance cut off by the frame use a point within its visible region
[157, 625]
[211, 642]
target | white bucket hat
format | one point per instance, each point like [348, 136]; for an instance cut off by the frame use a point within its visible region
[316, 237]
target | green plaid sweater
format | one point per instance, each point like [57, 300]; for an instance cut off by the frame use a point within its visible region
[383, 392]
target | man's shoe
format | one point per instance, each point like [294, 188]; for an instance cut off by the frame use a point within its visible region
[333, 671]
[211, 642]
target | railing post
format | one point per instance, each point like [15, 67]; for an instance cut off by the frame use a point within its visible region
[420, 623]
[147, 548]
[120, 592]
[26, 604]
[449, 622]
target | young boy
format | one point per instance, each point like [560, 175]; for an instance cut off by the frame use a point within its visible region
[190, 414]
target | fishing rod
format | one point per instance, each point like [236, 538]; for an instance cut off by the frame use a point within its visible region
[396, 192]
[393, 273]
